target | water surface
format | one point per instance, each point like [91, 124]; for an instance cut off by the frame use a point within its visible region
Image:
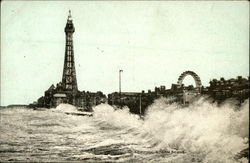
[202, 132]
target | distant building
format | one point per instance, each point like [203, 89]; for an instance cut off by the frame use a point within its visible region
[219, 90]
[136, 101]
[222, 89]
[139, 101]
[67, 91]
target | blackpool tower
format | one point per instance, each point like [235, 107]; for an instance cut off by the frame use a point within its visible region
[69, 82]
[67, 91]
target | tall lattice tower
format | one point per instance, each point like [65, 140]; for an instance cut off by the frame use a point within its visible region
[69, 82]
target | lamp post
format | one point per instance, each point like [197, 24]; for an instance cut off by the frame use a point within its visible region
[120, 71]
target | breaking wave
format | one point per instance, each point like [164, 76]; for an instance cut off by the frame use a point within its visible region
[204, 131]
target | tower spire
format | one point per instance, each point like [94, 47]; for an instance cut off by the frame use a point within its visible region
[69, 16]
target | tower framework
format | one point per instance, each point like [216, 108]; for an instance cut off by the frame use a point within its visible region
[69, 82]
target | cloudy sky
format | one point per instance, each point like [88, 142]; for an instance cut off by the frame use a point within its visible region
[153, 42]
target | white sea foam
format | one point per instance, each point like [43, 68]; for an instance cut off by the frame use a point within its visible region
[116, 117]
[65, 108]
[214, 133]
[201, 132]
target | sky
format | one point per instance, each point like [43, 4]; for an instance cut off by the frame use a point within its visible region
[153, 42]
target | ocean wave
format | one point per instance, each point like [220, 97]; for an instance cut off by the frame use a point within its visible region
[202, 132]
[216, 133]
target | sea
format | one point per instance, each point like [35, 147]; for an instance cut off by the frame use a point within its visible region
[204, 131]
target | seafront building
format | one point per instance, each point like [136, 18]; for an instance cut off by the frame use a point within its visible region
[237, 88]
[217, 91]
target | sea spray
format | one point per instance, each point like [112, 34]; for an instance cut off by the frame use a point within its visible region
[64, 108]
[202, 132]
[212, 132]
[121, 118]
